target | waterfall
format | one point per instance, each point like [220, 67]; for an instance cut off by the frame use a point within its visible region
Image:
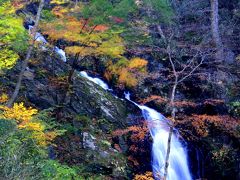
[95, 80]
[40, 38]
[178, 164]
[158, 126]
[61, 53]
[157, 123]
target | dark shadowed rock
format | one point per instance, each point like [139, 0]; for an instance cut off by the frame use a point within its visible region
[42, 86]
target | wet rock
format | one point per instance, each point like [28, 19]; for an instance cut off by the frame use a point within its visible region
[88, 141]
[44, 86]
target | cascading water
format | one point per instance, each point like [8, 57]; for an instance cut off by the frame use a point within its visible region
[178, 165]
[39, 37]
[157, 123]
[61, 53]
[95, 80]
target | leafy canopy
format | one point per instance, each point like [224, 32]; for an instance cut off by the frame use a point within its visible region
[160, 10]
[13, 36]
[102, 11]
[24, 119]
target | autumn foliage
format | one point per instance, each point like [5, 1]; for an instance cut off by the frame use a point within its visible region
[138, 132]
[13, 36]
[138, 135]
[3, 98]
[24, 118]
[155, 98]
[127, 72]
[202, 124]
[147, 176]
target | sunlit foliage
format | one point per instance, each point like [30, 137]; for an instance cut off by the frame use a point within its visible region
[99, 45]
[13, 36]
[24, 119]
[3, 98]
[8, 58]
[126, 72]
[94, 33]
[59, 1]
[147, 176]
[20, 113]
[137, 63]
[12, 33]
[71, 29]
[59, 11]
[99, 42]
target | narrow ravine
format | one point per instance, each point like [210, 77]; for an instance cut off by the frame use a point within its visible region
[157, 123]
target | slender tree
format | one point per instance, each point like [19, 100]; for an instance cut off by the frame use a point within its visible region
[180, 70]
[179, 76]
[26, 60]
[215, 29]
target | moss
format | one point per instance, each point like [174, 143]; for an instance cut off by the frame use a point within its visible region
[69, 128]
[105, 125]
[47, 15]
[85, 121]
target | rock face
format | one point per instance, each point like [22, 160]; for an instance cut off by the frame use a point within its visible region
[44, 85]
[91, 112]
[90, 99]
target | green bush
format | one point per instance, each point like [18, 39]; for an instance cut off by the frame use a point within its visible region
[235, 108]
[22, 158]
[47, 15]
[53, 170]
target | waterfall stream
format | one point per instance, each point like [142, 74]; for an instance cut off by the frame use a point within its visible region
[158, 125]
[95, 80]
[40, 38]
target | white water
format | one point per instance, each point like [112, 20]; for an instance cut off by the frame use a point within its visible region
[61, 53]
[40, 38]
[95, 80]
[178, 165]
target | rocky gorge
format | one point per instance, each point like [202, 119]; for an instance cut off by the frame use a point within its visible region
[105, 136]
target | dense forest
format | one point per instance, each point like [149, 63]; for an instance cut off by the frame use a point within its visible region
[119, 89]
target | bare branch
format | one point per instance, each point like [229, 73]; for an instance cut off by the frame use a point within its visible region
[192, 71]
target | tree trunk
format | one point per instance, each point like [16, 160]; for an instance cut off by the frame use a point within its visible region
[76, 2]
[29, 52]
[66, 99]
[215, 30]
[160, 31]
[171, 129]
[93, 29]
[84, 25]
